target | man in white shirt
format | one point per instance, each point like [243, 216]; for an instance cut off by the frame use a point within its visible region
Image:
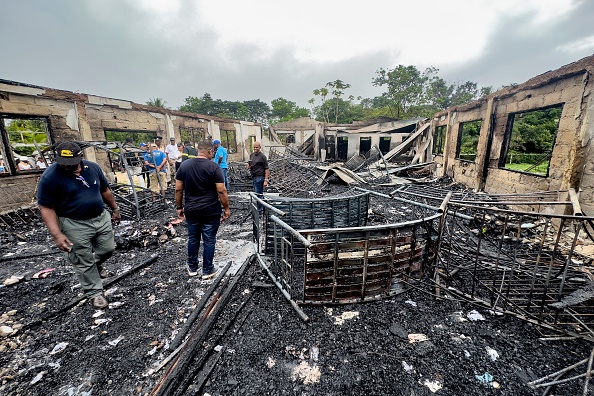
[172, 155]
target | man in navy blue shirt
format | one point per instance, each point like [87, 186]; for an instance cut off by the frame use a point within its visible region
[71, 195]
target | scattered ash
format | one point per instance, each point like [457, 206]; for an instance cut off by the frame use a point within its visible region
[257, 343]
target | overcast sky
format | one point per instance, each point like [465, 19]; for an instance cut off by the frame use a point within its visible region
[265, 49]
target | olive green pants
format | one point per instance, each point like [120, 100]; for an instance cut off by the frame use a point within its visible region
[93, 243]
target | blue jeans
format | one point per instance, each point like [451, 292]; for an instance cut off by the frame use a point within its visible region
[207, 229]
[224, 170]
[259, 189]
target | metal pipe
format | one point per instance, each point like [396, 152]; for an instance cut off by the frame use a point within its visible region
[296, 307]
[291, 230]
[267, 205]
[444, 204]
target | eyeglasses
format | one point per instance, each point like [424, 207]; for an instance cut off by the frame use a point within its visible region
[82, 179]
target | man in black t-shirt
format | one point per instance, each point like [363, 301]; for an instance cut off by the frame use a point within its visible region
[199, 192]
[258, 166]
[71, 197]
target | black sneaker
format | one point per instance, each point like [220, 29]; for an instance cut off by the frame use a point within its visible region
[210, 275]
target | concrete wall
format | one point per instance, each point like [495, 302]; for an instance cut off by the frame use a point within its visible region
[72, 116]
[572, 157]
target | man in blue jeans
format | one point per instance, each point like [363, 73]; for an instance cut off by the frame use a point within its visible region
[199, 193]
[258, 165]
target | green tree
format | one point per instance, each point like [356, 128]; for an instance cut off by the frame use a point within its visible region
[335, 107]
[406, 88]
[285, 110]
[257, 111]
[156, 102]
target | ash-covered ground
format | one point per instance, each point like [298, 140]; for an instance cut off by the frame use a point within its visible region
[256, 344]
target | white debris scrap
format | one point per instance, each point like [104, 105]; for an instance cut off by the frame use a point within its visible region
[339, 320]
[411, 302]
[407, 367]
[59, 348]
[116, 341]
[309, 374]
[492, 353]
[433, 386]
[412, 338]
[474, 315]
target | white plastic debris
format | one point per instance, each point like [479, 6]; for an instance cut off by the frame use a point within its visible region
[412, 338]
[59, 348]
[115, 304]
[90, 336]
[474, 315]
[492, 353]
[270, 362]
[218, 348]
[101, 321]
[466, 353]
[116, 341]
[314, 353]
[110, 291]
[411, 302]
[407, 367]
[433, 386]
[98, 313]
[38, 377]
[339, 320]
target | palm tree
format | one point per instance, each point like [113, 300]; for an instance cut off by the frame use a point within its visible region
[156, 102]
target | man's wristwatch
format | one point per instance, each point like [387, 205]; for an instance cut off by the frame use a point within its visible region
[116, 209]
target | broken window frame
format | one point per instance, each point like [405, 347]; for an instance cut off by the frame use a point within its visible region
[509, 136]
[461, 140]
[229, 140]
[192, 134]
[7, 152]
[439, 138]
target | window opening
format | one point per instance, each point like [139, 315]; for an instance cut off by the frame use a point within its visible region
[229, 141]
[529, 140]
[192, 134]
[468, 137]
[439, 140]
[23, 139]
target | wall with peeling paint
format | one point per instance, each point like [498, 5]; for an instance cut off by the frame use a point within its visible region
[73, 116]
[571, 165]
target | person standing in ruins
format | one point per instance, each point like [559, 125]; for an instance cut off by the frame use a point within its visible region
[71, 195]
[172, 155]
[156, 160]
[199, 193]
[189, 151]
[220, 158]
[258, 166]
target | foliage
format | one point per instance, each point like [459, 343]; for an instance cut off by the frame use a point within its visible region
[412, 93]
[534, 131]
[406, 88]
[285, 110]
[332, 108]
[156, 102]
[250, 110]
[25, 135]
